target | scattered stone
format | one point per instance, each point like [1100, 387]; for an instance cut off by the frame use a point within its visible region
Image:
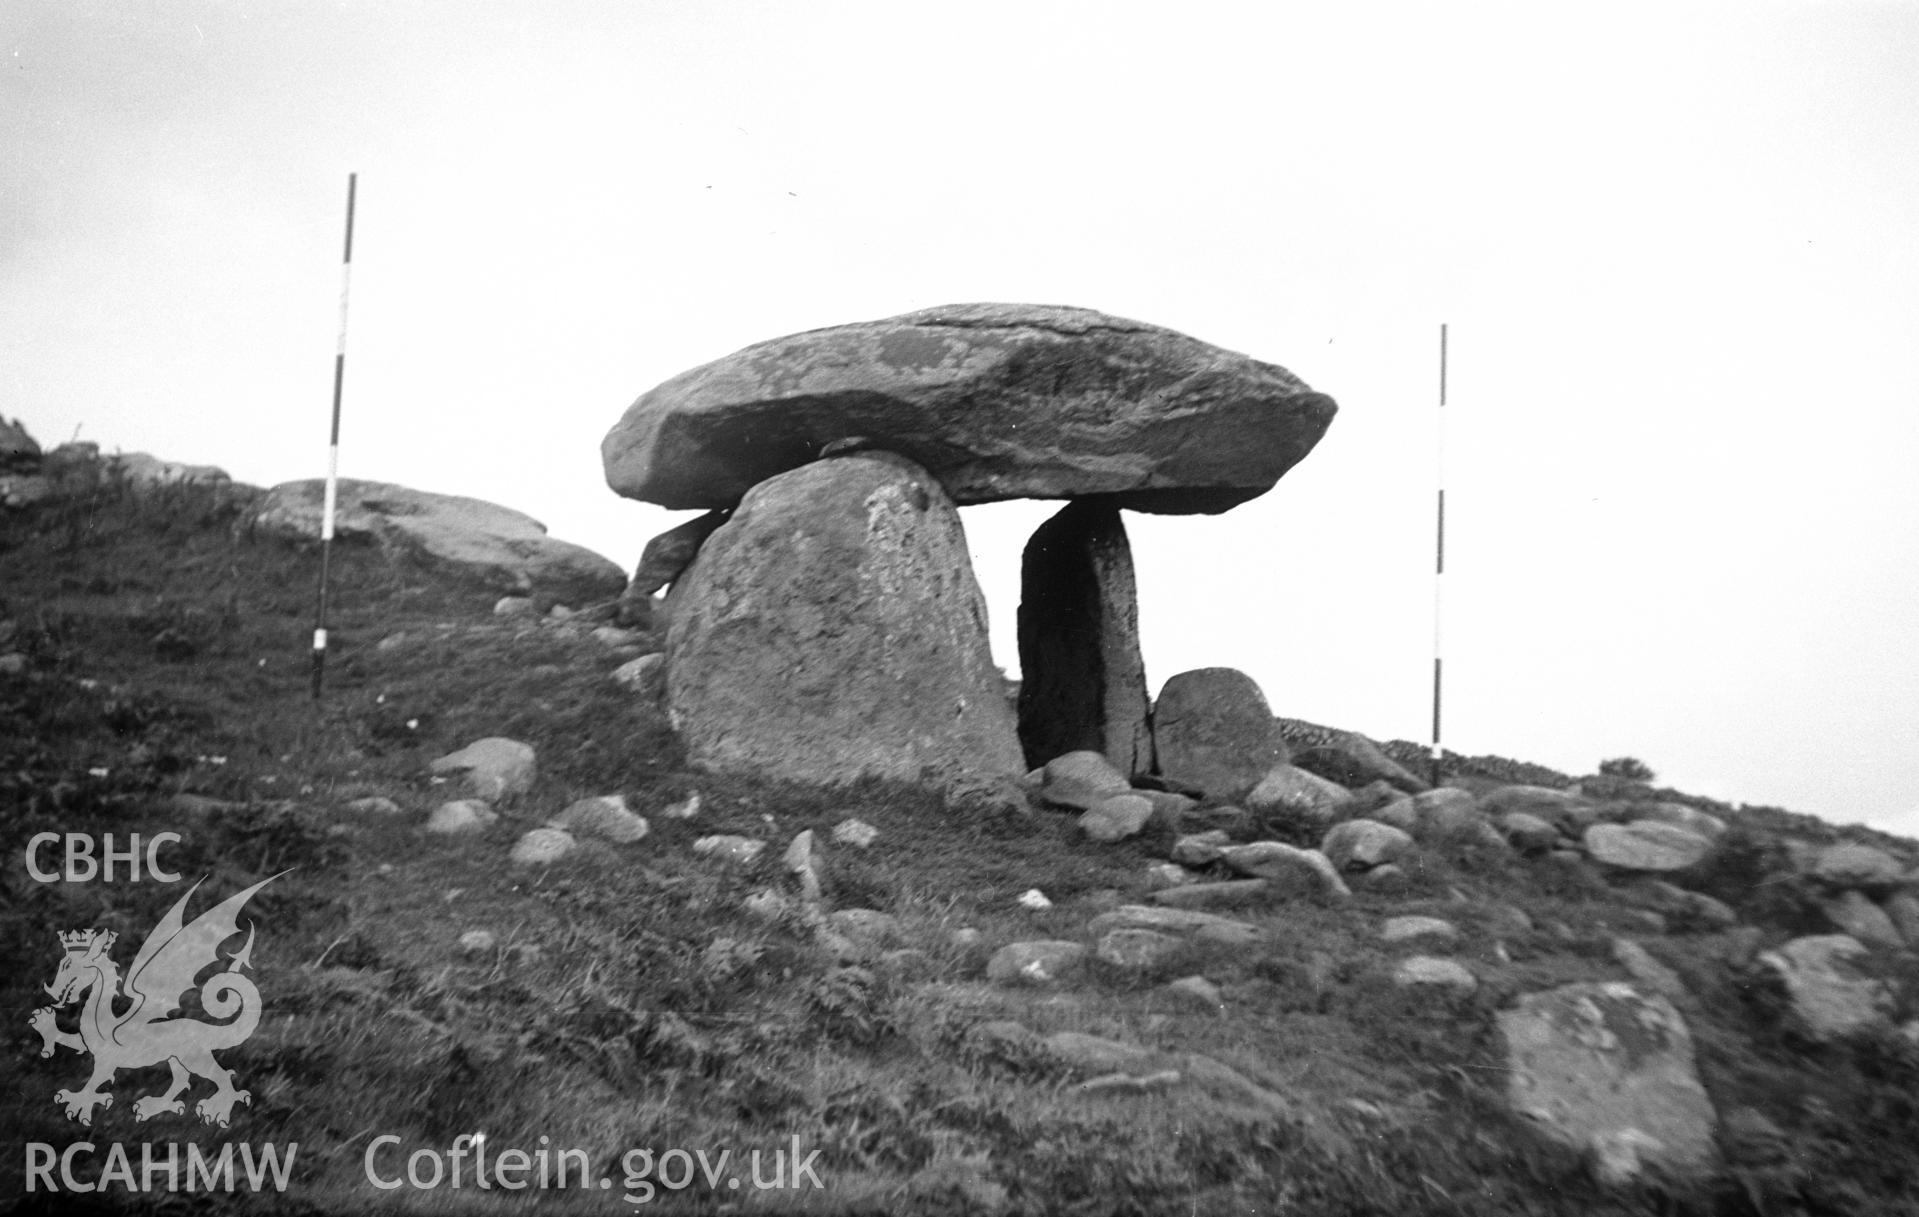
[966, 938]
[1291, 873]
[1198, 849]
[1647, 845]
[1855, 914]
[460, 816]
[477, 942]
[869, 930]
[769, 905]
[1035, 963]
[1643, 921]
[615, 637]
[1856, 866]
[542, 846]
[645, 676]
[727, 847]
[1116, 818]
[1388, 878]
[1136, 950]
[1527, 833]
[1437, 930]
[376, 805]
[508, 549]
[1198, 992]
[999, 401]
[1508, 920]
[513, 606]
[1177, 922]
[1353, 760]
[1427, 971]
[1357, 845]
[1642, 967]
[606, 816]
[559, 614]
[803, 862]
[1083, 683]
[685, 809]
[832, 629]
[1691, 819]
[1610, 1072]
[907, 963]
[1213, 728]
[856, 833]
[12, 664]
[667, 556]
[1567, 812]
[494, 767]
[1096, 1054]
[1230, 894]
[1034, 899]
[1081, 780]
[1297, 796]
[1903, 908]
[1831, 996]
[1167, 874]
[1402, 813]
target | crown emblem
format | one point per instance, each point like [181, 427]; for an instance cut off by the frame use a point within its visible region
[81, 940]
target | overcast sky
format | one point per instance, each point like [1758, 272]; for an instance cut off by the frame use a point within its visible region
[1675, 244]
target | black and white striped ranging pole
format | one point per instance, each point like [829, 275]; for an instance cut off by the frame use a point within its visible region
[1439, 553]
[333, 453]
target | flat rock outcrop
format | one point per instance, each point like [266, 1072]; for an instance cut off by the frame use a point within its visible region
[996, 401]
[1083, 682]
[508, 549]
[1610, 1071]
[832, 629]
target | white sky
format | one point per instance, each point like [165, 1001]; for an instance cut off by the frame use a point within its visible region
[1675, 243]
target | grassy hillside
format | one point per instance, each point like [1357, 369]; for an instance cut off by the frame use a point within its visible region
[627, 1000]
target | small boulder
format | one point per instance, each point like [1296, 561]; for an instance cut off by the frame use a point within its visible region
[1856, 866]
[1175, 922]
[1359, 845]
[513, 606]
[1116, 818]
[1136, 950]
[1691, 819]
[1852, 912]
[1289, 872]
[1167, 874]
[376, 804]
[1431, 972]
[460, 816]
[855, 833]
[1645, 845]
[494, 767]
[1527, 833]
[1296, 796]
[1201, 848]
[645, 677]
[1433, 931]
[1039, 963]
[542, 846]
[1353, 760]
[1230, 894]
[1198, 993]
[1212, 728]
[1081, 780]
[607, 817]
[1562, 809]
[727, 847]
[1831, 996]
[1903, 908]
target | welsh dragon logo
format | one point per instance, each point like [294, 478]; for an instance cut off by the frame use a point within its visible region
[145, 1033]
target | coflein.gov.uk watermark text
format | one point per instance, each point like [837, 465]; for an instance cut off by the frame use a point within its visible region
[471, 1163]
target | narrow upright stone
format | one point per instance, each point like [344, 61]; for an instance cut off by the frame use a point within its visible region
[1082, 681]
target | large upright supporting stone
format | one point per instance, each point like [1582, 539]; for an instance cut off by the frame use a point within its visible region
[1212, 729]
[833, 629]
[1082, 682]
